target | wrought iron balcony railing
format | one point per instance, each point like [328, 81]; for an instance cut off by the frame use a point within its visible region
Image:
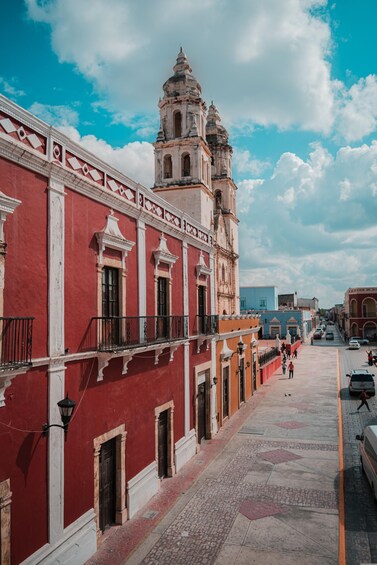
[206, 325]
[268, 356]
[16, 338]
[114, 333]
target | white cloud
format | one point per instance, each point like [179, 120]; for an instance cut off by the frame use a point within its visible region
[357, 114]
[55, 115]
[244, 162]
[10, 88]
[274, 70]
[312, 222]
[136, 160]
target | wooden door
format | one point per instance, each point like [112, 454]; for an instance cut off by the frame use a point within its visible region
[226, 392]
[107, 486]
[163, 444]
[110, 307]
[202, 412]
[242, 380]
[162, 308]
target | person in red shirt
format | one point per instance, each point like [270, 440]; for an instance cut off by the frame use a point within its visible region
[291, 368]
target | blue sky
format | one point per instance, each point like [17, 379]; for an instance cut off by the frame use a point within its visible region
[295, 82]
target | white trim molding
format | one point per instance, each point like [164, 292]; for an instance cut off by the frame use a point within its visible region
[201, 267]
[141, 488]
[7, 206]
[77, 545]
[112, 237]
[163, 255]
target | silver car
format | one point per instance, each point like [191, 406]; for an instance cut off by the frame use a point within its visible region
[359, 380]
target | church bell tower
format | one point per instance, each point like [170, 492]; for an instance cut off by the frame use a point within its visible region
[193, 171]
[182, 155]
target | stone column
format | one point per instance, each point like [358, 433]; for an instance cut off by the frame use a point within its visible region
[56, 370]
[142, 280]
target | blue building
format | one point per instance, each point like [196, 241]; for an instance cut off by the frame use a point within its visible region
[280, 322]
[258, 298]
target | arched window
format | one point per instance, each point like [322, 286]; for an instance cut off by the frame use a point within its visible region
[168, 167]
[218, 198]
[369, 308]
[177, 124]
[186, 165]
[353, 309]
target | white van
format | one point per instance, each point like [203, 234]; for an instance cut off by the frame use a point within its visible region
[368, 456]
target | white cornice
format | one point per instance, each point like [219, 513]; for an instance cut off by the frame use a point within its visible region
[35, 161]
[30, 158]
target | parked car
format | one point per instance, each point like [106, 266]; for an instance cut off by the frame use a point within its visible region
[360, 379]
[361, 340]
[352, 344]
[368, 456]
[330, 335]
[317, 334]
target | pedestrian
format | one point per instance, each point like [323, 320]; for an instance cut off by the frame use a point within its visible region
[284, 358]
[311, 340]
[370, 358]
[283, 346]
[363, 398]
[284, 367]
[291, 368]
[289, 352]
[295, 353]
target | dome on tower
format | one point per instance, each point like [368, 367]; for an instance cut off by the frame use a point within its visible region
[215, 132]
[183, 81]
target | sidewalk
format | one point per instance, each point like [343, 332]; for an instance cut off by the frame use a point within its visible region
[264, 489]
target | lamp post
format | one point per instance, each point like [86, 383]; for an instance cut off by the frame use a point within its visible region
[66, 407]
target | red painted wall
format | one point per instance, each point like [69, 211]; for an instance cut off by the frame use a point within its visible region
[130, 399]
[23, 454]
[83, 218]
[25, 232]
[193, 260]
[175, 247]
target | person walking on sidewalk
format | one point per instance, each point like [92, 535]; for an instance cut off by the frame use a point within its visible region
[363, 398]
[284, 367]
[291, 368]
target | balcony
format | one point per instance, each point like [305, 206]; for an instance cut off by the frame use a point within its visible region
[125, 332]
[269, 356]
[206, 325]
[16, 336]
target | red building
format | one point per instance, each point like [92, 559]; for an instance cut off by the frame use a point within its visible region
[360, 312]
[101, 285]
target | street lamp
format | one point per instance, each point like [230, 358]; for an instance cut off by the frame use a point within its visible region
[240, 347]
[66, 407]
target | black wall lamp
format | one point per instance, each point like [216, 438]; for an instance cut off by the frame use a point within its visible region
[66, 407]
[214, 380]
[240, 347]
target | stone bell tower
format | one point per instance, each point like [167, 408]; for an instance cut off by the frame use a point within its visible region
[182, 155]
[225, 222]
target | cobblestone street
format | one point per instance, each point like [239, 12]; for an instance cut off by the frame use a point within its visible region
[268, 495]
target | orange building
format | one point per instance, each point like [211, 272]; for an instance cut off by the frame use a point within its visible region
[237, 370]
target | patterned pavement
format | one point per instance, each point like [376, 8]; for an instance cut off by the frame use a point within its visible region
[271, 493]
